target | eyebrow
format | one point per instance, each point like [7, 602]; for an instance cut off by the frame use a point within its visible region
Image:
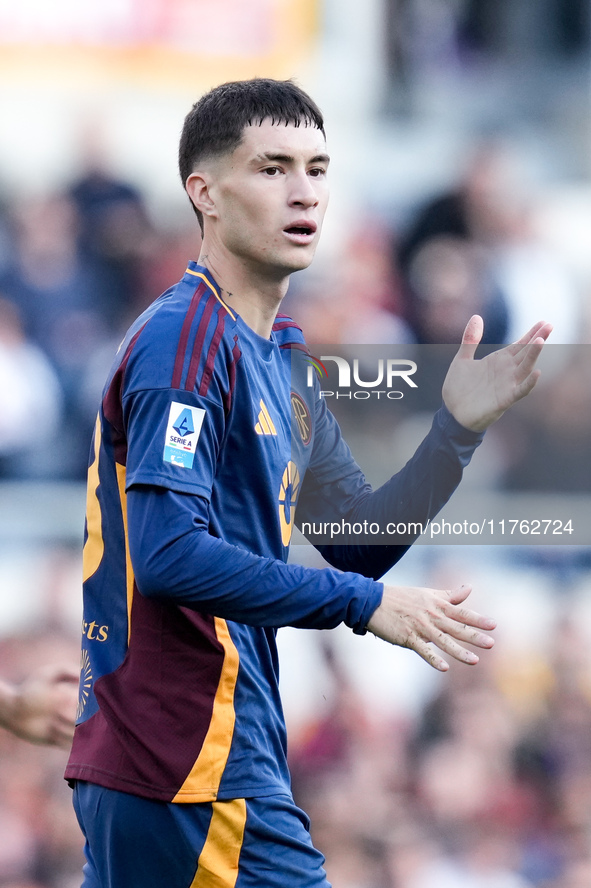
[288, 158]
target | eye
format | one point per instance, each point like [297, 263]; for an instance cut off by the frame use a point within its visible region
[272, 171]
[317, 172]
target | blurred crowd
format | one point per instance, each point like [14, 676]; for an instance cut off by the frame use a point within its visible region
[77, 266]
[487, 783]
[475, 247]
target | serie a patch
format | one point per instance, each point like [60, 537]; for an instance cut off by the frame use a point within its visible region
[182, 434]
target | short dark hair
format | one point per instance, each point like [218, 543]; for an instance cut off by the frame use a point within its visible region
[215, 124]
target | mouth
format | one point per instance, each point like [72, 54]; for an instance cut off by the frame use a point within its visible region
[301, 232]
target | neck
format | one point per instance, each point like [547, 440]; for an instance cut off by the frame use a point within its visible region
[256, 296]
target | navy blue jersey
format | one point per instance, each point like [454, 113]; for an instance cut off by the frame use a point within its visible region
[206, 445]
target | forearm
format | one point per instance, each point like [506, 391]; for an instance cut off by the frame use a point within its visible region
[194, 569]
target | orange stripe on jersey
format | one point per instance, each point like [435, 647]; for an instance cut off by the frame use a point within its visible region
[206, 774]
[94, 546]
[218, 862]
[129, 575]
[198, 274]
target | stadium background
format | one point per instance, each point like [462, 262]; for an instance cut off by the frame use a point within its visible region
[459, 131]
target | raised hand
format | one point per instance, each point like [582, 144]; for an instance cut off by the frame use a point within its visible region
[477, 392]
[418, 618]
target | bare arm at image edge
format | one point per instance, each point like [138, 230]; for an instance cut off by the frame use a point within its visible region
[42, 709]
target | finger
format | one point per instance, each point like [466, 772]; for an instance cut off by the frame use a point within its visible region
[525, 387]
[464, 615]
[532, 333]
[446, 635]
[62, 739]
[540, 330]
[469, 617]
[66, 735]
[466, 634]
[430, 655]
[423, 647]
[65, 674]
[66, 718]
[471, 337]
[449, 645]
[457, 596]
[544, 331]
[526, 361]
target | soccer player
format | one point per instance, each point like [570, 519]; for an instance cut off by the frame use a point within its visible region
[197, 468]
[42, 708]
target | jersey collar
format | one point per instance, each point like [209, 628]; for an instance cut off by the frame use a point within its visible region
[194, 271]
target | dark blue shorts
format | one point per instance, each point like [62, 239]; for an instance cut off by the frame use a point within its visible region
[133, 842]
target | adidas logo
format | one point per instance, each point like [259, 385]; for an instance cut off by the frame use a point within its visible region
[265, 425]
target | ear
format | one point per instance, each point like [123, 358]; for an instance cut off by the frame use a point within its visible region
[198, 187]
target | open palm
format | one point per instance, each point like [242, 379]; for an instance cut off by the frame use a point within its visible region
[477, 392]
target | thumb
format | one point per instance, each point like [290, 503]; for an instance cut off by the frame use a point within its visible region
[471, 338]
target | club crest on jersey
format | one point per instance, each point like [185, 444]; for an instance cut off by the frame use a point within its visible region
[302, 417]
[182, 434]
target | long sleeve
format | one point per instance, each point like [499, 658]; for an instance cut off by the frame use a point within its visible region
[336, 490]
[190, 567]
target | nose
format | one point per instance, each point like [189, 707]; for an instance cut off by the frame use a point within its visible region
[303, 192]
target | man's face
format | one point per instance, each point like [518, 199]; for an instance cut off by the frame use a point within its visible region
[270, 197]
